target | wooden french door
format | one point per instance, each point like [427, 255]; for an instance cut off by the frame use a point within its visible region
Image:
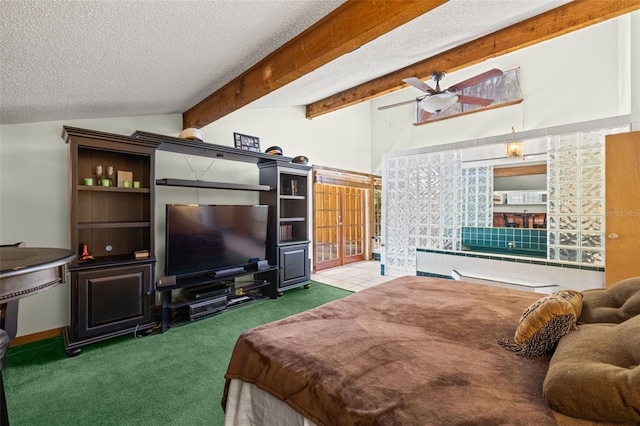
[340, 225]
[622, 194]
[353, 224]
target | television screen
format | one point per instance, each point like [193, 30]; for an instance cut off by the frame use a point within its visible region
[206, 238]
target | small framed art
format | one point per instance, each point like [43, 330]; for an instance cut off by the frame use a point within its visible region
[246, 142]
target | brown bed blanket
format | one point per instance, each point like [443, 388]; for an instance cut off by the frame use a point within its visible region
[412, 351]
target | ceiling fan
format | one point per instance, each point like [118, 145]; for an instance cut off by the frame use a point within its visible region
[436, 100]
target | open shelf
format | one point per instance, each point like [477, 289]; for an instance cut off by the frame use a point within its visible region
[211, 185]
[520, 197]
[101, 261]
[293, 197]
[179, 308]
[206, 149]
[112, 189]
[292, 242]
[112, 225]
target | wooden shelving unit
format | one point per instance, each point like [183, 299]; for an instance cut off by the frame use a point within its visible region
[112, 293]
[289, 207]
[289, 229]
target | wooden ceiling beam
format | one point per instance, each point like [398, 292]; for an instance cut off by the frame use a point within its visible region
[556, 22]
[345, 29]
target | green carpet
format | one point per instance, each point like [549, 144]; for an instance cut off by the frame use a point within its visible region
[175, 378]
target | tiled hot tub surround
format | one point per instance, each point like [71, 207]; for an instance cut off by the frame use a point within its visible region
[502, 240]
[509, 269]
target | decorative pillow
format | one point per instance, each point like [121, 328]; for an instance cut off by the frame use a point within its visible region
[594, 374]
[614, 304]
[544, 322]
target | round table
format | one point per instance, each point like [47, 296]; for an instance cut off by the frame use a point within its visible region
[24, 271]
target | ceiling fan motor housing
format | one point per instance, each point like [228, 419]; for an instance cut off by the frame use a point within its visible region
[437, 76]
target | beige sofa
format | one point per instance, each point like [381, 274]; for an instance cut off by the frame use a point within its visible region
[594, 373]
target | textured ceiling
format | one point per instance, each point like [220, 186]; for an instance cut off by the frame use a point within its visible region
[78, 59]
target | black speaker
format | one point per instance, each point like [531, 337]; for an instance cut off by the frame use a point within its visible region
[166, 281]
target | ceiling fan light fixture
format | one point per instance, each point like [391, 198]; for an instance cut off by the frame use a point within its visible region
[438, 102]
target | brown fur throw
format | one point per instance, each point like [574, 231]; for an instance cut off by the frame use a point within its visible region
[544, 322]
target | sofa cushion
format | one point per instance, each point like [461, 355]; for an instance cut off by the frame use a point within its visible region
[594, 373]
[615, 304]
[544, 322]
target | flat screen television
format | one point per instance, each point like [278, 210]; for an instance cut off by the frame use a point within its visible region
[208, 238]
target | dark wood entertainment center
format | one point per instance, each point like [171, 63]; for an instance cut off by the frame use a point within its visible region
[113, 291]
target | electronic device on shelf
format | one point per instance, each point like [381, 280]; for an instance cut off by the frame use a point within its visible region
[198, 309]
[220, 240]
[238, 300]
[207, 291]
[226, 272]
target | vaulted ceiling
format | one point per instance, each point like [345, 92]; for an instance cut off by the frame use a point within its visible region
[204, 59]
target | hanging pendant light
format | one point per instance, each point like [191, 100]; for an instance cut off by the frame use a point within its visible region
[514, 149]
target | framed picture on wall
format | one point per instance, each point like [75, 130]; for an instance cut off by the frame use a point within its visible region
[246, 142]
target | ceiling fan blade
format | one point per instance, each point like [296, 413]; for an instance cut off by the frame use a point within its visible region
[398, 104]
[475, 80]
[474, 101]
[419, 84]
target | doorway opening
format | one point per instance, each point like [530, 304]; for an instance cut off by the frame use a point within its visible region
[343, 223]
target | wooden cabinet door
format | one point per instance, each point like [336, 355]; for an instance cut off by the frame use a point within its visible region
[622, 197]
[113, 299]
[294, 266]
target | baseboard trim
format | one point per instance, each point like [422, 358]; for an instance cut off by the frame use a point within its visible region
[41, 335]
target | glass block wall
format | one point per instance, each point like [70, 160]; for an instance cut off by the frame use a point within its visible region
[477, 190]
[575, 175]
[422, 195]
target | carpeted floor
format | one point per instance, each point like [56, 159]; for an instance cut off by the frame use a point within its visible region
[175, 378]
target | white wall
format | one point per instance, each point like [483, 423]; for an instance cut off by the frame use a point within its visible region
[34, 204]
[584, 75]
[340, 139]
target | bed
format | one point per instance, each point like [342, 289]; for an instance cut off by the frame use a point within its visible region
[414, 350]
